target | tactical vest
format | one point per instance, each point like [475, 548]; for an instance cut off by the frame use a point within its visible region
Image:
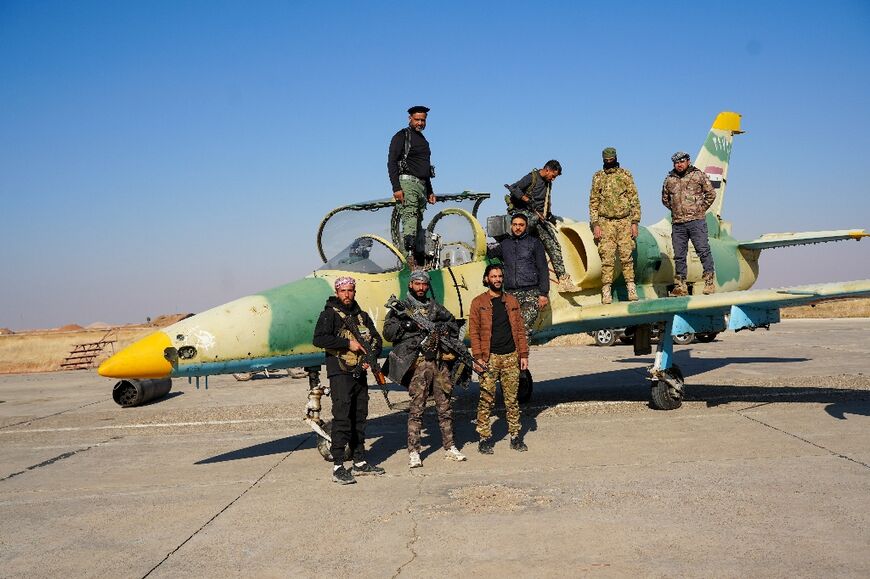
[509, 201]
[348, 360]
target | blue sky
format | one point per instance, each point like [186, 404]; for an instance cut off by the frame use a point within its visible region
[160, 157]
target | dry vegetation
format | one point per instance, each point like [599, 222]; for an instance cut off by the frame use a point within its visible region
[852, 308]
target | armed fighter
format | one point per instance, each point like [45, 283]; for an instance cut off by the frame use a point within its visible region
[273, 329]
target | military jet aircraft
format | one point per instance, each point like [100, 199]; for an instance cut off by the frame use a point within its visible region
[273, 329]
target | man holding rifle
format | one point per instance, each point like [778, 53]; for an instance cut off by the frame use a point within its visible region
[352, 345]
[420, 361]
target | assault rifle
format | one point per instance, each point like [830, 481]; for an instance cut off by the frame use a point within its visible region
[438, 334]
[369, 358]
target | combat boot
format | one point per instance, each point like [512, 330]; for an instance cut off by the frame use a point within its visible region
[566, 285]
[709, 284]
[680, 288]
[409, 252]
[484, 446]
[632, 291]
[518, 444]
[606, 297]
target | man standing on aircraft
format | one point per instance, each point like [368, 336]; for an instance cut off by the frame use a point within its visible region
[410, 169]
[614, 213]
[338, 326]
[531, 196]
[526, 276]
[498, 342]
[419, 362]
[688, 193]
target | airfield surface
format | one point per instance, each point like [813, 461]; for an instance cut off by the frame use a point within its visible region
[764, 471]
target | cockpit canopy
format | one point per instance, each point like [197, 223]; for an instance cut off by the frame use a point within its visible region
[365, 237]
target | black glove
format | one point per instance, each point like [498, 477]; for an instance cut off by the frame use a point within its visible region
[408, 325]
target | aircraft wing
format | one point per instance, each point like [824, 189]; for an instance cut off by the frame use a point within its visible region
[769, 240]
[705, 313]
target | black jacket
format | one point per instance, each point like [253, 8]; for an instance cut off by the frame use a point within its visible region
[419, 158]
[330, 325]
[406, 337]
[525, 263]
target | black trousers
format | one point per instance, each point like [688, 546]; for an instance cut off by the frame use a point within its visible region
[350, 408]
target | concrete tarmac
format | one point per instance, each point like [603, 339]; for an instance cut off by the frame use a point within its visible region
[764, 471]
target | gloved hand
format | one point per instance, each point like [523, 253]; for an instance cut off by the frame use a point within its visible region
[408, 325]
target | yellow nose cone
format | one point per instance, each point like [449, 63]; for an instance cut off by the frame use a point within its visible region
[142, 359]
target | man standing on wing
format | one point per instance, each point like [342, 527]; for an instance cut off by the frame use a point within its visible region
[410, 169]
[526, 276]
[688, 193]
[498, 341]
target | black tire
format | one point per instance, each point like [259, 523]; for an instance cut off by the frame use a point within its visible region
[706, 337]
[684, 339]
[527, 386]
[661, 396]
[626, 339]
[605, 337]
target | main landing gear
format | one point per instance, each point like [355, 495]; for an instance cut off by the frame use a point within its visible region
[668, 384]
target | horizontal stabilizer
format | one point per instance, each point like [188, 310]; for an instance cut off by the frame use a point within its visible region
[769, 240]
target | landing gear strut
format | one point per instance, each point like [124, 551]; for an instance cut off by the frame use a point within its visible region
[668, 384]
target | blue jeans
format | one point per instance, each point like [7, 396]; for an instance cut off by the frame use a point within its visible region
[681, 233]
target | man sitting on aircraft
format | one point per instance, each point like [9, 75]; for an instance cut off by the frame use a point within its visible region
[526, 276]
[688, 193]
[410, 170]
[614, 213]
[418, 362]
[531, 197]
[339, 329]
[498, 343]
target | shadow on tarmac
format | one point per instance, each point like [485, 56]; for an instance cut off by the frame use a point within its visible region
[386, 435]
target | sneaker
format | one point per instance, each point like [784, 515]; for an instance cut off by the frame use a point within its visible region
[453, 453]
[342, 476]
[484, 446]
[414, 460]
[366, 468]
[518, 444]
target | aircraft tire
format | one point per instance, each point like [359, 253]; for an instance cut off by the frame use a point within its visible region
[663, 396]
[706, 337]
[527, 386]
[684, 339]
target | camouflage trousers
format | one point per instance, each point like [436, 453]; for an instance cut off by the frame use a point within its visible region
[616, 237]
[529, 309]
[546, 232]
[434, 375]
[507, 368]
[411, 209]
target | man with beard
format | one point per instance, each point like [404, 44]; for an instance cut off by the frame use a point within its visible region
[688, 193]
[418, 362]
[346, 371]
[614, 213]
[498, 342]
[531, 196]
[526, 276]
[410, 170]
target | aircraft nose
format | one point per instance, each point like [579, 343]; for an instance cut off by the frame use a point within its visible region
[142, 359]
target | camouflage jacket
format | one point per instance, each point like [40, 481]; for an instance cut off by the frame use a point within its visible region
[688, 197]
[613, 196]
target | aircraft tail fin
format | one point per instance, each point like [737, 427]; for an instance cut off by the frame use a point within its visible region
[715, 154]
[770, 240]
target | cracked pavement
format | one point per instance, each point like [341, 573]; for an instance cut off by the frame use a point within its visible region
[763, 471]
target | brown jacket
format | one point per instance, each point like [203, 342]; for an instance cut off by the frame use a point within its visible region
[480, 325]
